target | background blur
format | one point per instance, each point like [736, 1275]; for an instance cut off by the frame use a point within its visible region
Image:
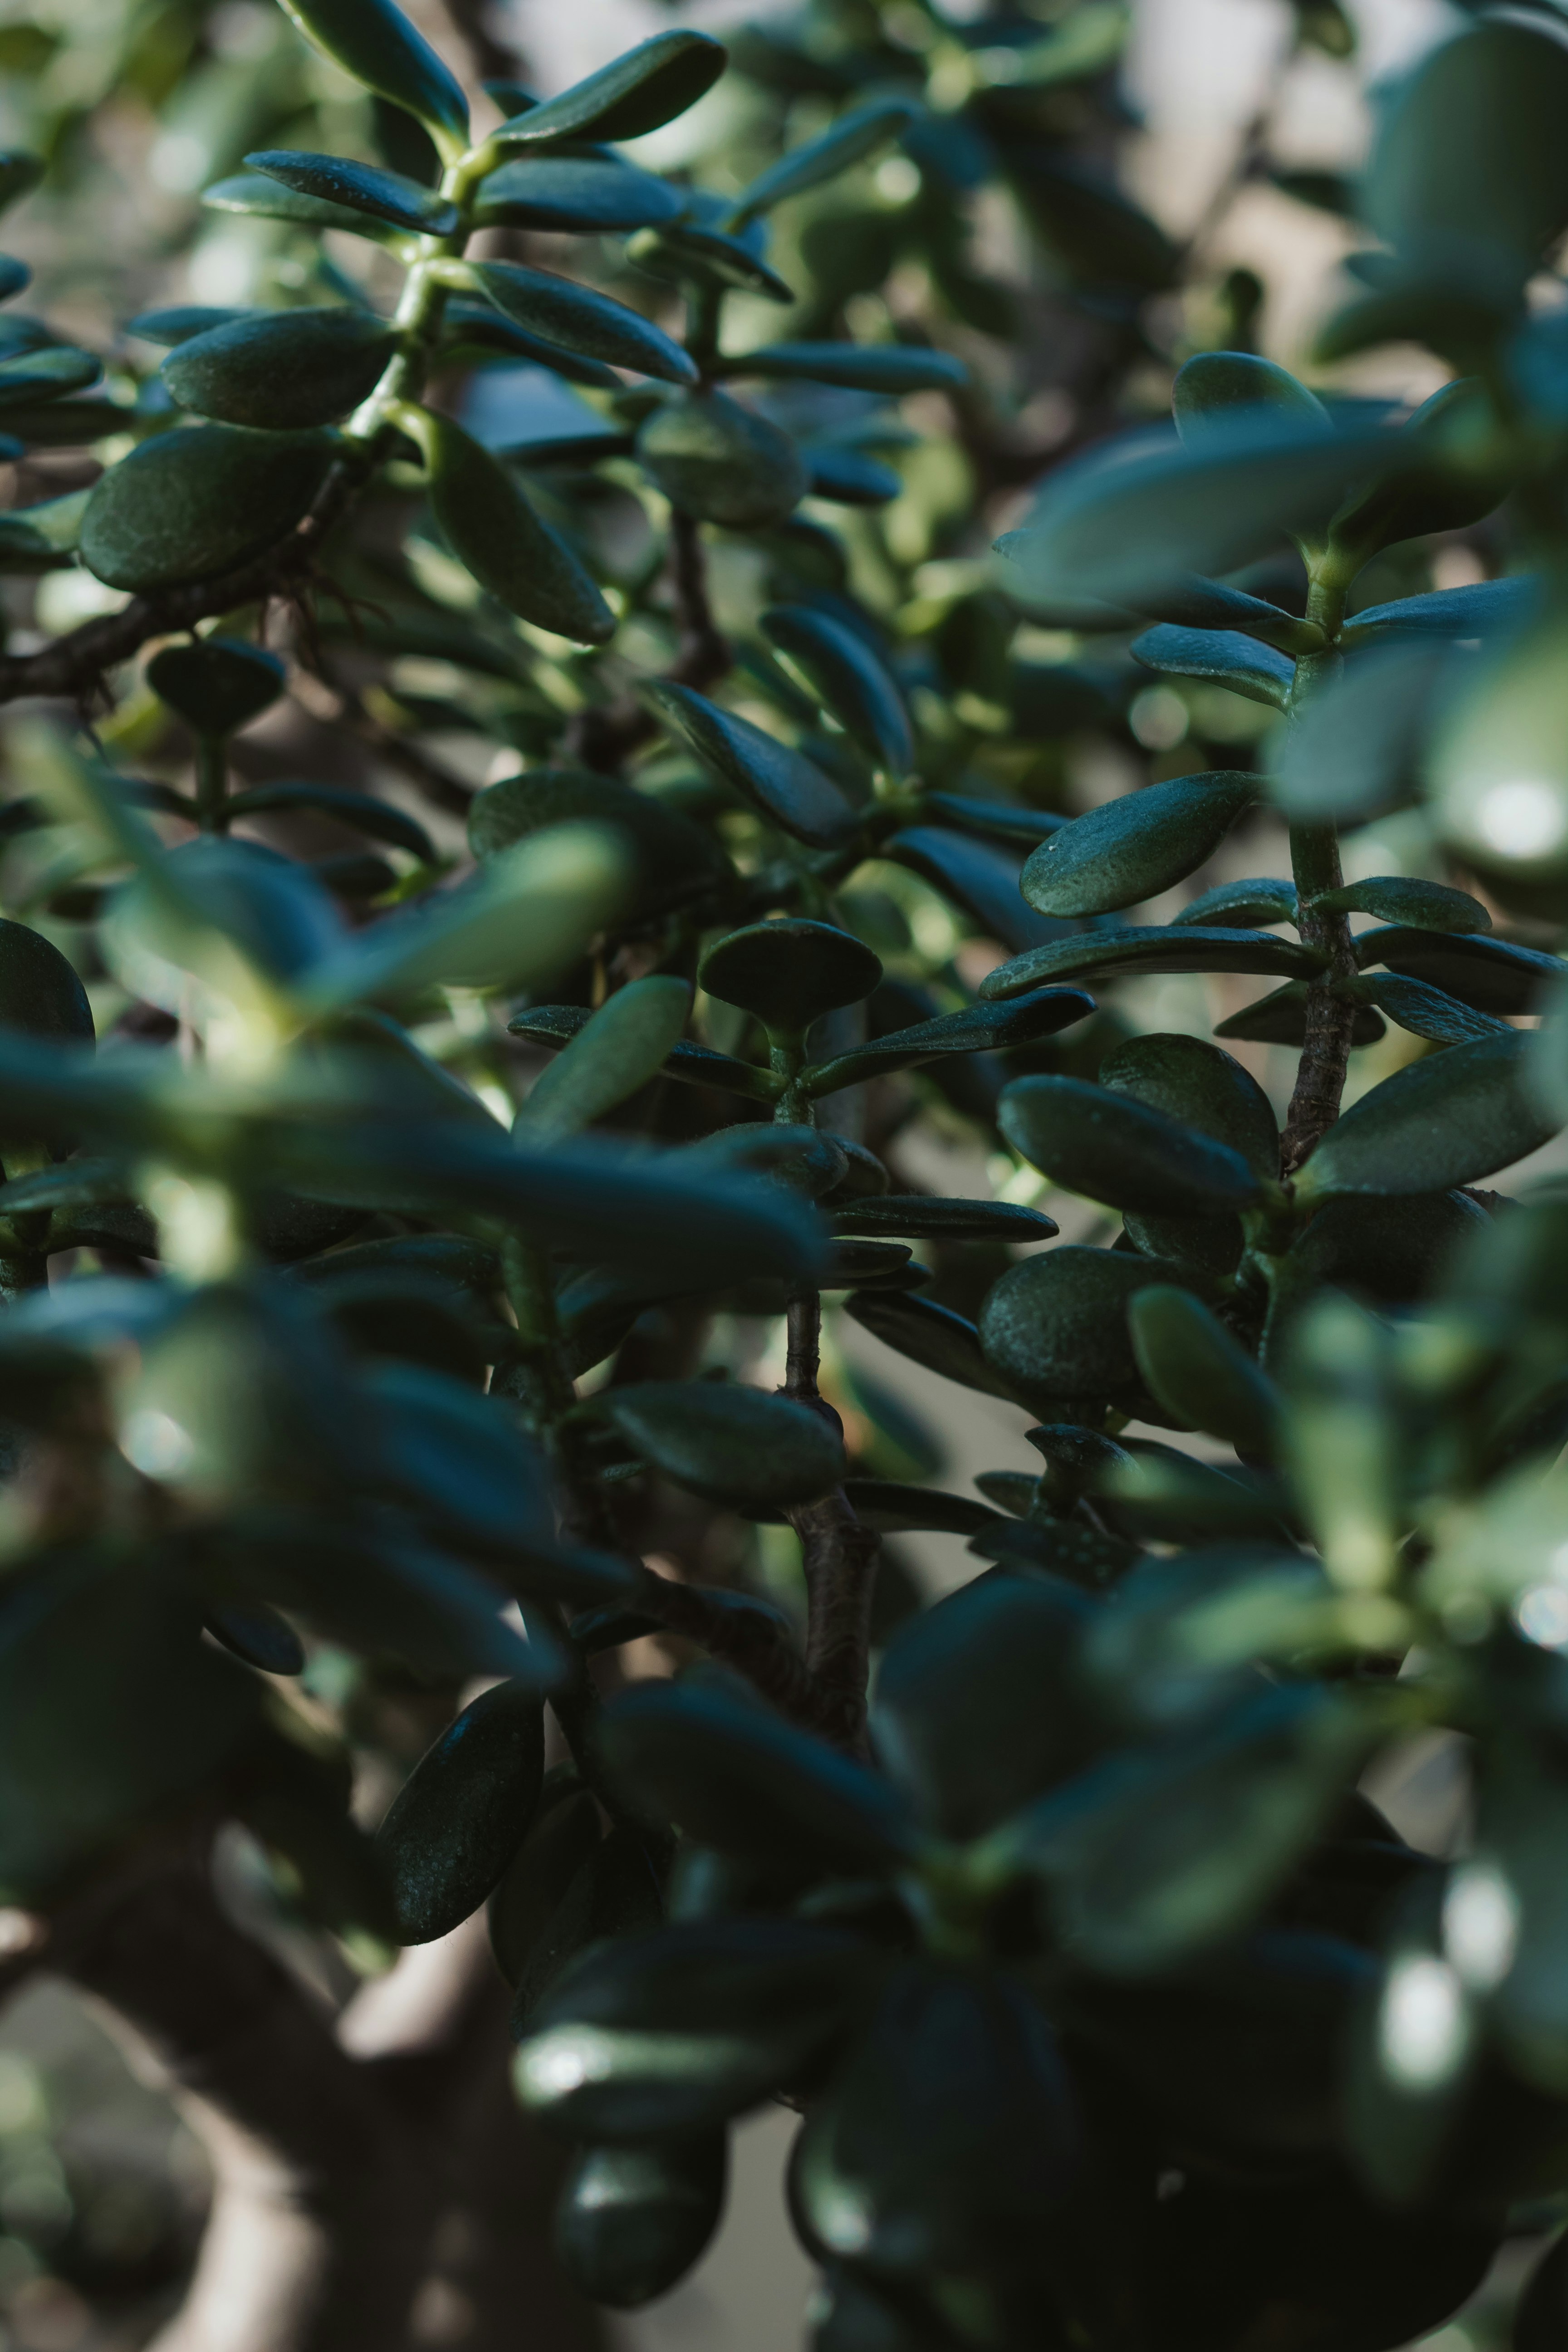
[93, 2167]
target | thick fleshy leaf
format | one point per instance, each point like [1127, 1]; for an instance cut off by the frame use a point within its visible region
[560, 312]
[979, 877]
[15, 276]
[617, 1050]
[722, 462]
[1190, 1363]
[1224, 655]
[192, 504]
[1471, 611]
[216, 683]
[893, 1508]
[1281, 1018]
[40, 538]
[1212, 385]
[1424, 1012]
[1202, 1086]
[1209, 607]
[1492, 975]
[857, 688]
[39, 990]
[285, 370]
[789, 973]
[889, 368]
[922, 1218]
[638, 92]
[251, 192]
[977, 1029]
[1442, 1122]
[782, 784]
[181, 322]
[1055, 1326]
[1402, 898]
[374, 41]
[930, 1335]
[584, 192]
[496, 534]
[1463, 477]
[42, 374]
[651, 2036]
[1121, 1151]
[1118, 525]
[698, 1066]
[847, 141]
[737, 1445]
[979, 1706]
[947, 2141]
[1192, 947]
[1244, 903]
[360, 188]
[379, 820]
[1133, 848]
[731, 1774]
[1161, 1852]
[630, 2221]
[1002, 820]
[463, 1812]
[673, 860]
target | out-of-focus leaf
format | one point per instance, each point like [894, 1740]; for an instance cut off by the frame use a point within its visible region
[736, 1445]
[640, 91]
[722, 462]
[374, 41]
[616, 1051]
[779, 781]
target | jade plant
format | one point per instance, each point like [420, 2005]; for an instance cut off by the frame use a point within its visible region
[455, 1275]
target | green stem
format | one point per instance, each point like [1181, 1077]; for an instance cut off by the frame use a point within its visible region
[212, 783]
[422, 305]
[1315, 867]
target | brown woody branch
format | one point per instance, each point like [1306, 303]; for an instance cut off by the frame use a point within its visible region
[839, 1555]
[73, 666]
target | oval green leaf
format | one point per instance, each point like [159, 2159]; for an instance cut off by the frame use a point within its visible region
[192, 504]
[1133, 848]
[782, 784]
[736, 1445]
[287, 371]
[720, 462]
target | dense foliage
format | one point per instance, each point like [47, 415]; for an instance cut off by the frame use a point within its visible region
[397, 1280]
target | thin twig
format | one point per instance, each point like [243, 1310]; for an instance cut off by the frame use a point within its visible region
[73, 666]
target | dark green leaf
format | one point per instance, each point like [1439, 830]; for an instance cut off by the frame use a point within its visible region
[496, 534]
[923, 1218]
[19, 175]
[722, 462]
[1206, 1088]
[736, 1445]
[1085, 1557]
[978, 1703]
[654, 2035]
[733, 1775]
[1161, 1852]
[692, 251]
[1122, 1151]
[1243, 904]
[360, 188]
[1190, 1363]
[638, 92]
[1471, 611]
[1424, 1012]
[673, 859]
[43, 374]
[563, 1838]
[980, 879]
[253, 193]
[1004, 820]
[788, 973]
[1461, 481]
[630, 2221]
[1134, 847]
[1281, 1018]
[889, 368]
[259, 1635]
[1055, 1326]
[778, 781]
[1402, 898]
[1224, 655]
[617, 1050]
[930, 1335]
[377, 819]
[1440, 1123]
[39, 990]
[1118, 526]
[1193, 947]
[191, 504]
[893, 1508]
[840, 666]
[67, 423]
[463, 1812]
[579, 320]
[947, 2140]
[287, 369]
[40, 538]
[584, 192]
[1209, 608]
[556, 1024]
[374, 41]
[181, 322]
[1490, 975]
[1210, 387]
[977, 1028]
[15, 276]
[216, 683]
[847, 141]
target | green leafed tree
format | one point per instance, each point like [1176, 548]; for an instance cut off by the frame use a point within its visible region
[535, 827]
